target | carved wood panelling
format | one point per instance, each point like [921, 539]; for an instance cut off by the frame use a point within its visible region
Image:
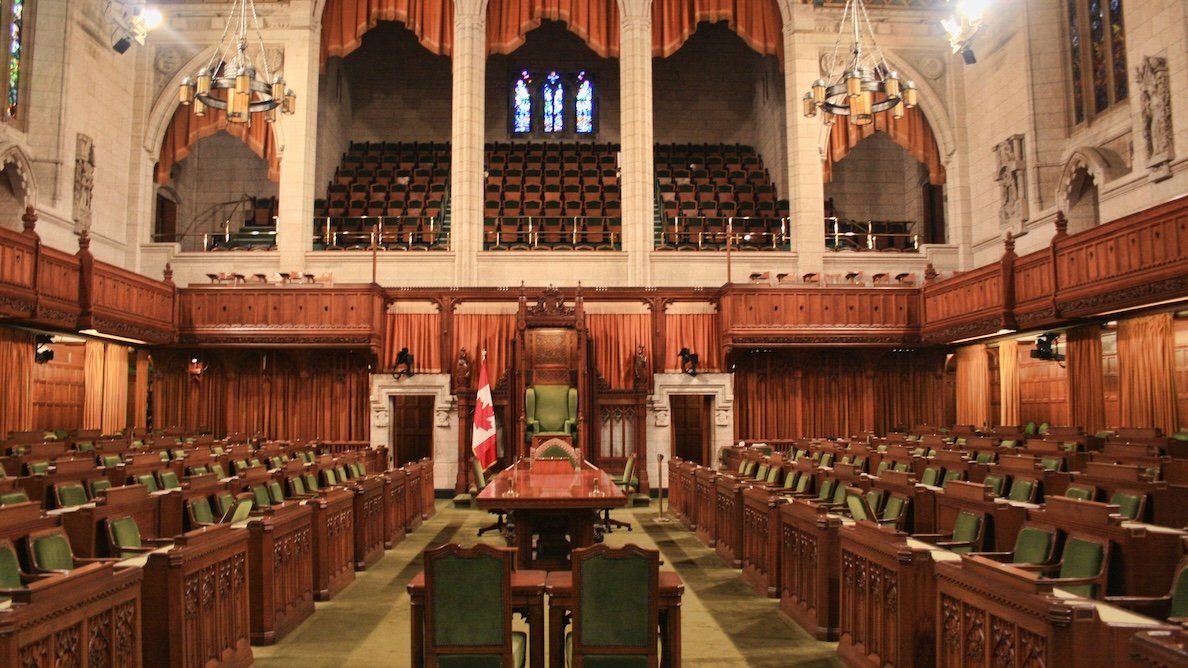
[819, 316]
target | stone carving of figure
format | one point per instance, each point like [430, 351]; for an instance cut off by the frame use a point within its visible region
[462, 369]
[1012, 205]
[84, 182]
[1155, 101]
[640, 369]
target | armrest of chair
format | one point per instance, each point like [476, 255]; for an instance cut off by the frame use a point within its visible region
[932, 537]
[1151, 606]
[83, 561]
[533, 426]
[1073, 581]
[1039, 568]
[156, 542]
[144, 549]
[950, 544]
[569, 426]
[996, 556]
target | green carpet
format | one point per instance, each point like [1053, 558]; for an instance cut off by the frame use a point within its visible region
[724, 622]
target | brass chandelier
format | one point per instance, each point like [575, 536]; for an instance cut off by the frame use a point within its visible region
[246, 95]
[856, 82]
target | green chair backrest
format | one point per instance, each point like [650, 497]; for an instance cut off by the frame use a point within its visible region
[199, 470]
[881, 448]
[362, 468]
[1179, 601]
[354, 469]
[1021, 490]
[297, 485]
[874, 499]
[1010, 443]
[1029, 429]
[39, 468]
[761, 473]
[253, 462]
[856, 507]
[218, 451]
[84, 446]
[51, 552]
[552, 406]
[918, 451]
[901, 466]
[827, 459]
[1043, 428]
[790, 479]
[1052, 463]
[1128, 504]
[111, 460]
[953, 474]
[860, 461]
[826, 491]
[742, 466]
[628, 470]
[276, 493]
[1033, 546]
[10, 568]
[965, 529]
[169, 480]
[328, 475]
[342, 474]
[1082, 559]
[9, 498]
[126, 534]
[71, 494]
[467, 601]
[164, 455]
[749, 468]
[200, 510]
[984, 457]
[929, 476]
[839, 493]
[883, 466]
[995, 484]
[241, 464]
[260, 494]
[802, 483]
[217, 469]
[98, 485]
[179, 454]
[243, 510]
[848, 459]
[613, 599]
[311, 481]
[148, 481]
[276, 462]
[480, 477]
[226, 501]
[1079, 492]
[894, 507]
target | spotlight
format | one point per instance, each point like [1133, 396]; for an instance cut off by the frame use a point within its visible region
[42, 352]
[1045, 348]
[131, 23]
[967, 55]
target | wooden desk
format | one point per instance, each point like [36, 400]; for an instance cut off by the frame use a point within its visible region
[811, 567]
[549, 507]
[369, 520]
[196, 601]
[728, 519]
[394, 523]
[280, 563]
[559, 586]
[1159, 649]
[705, 504]
[333, 525]
[760, 546]
[527, 592]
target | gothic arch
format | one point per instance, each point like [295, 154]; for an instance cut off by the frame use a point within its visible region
[25, 184]
[1095, 162]
[166, 102]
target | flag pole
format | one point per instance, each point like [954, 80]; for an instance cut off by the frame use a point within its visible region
[661, 517]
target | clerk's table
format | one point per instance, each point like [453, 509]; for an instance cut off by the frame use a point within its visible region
[553, 507]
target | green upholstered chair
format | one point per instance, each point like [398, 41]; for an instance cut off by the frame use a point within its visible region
[199, 470]
[966, 537]
[276, 493]
[919, 451]
[627, 480]
[69, 495]
[773, 476]
[9, 498]
[826, 459]
[1173, 607]
[1082, 567]
[11, 576]
[84, 446]
[311, 482]
[217, 469]
[225, 502]
[860, 462]
[164, 454]
[1052, 463]
[124, 540]
[895, 511]
[995, 483]
[260, 496]
[38, 468]
[930, 476]
[239, 465]
[551, 410]
[825, 492]
[98, 485]
[883, 466]
[253, 463]
[952, 474]
[761, 472]
[1130, 504]
[857, 506]
[468, 614]
[218, 451]
[199, 513]
[1034, 545]
[557, 451]
[341, 472]
[243, 508]
[749, 467]
[149, 481]
[169, 480]
[874, 498]
[902, 467]
[1023, 490]
[1043, 428]
[329, 478]
[1081, 492]
[49, 552]
[296, 486]
[615, 617]
[984, 457]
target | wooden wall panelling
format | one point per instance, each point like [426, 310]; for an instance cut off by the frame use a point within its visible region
[58, 388]
[128, 304]
[818, 316]
[18, 273]
[1043, 389]
[963, 306]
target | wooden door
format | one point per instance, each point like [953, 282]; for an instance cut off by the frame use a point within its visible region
[412, 427]
[690, 419]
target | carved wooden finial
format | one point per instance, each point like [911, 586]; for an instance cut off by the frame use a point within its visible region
[930, 272]
[1008, 243]
[30, 219]
[169, 273]
[84, 240]
[1061, 224]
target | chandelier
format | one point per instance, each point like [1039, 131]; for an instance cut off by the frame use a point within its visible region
[856, 82]
[245, 94]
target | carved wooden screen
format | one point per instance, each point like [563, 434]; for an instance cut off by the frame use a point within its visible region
[616, 432]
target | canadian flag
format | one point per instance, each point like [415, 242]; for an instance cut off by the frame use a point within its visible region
[482, 442]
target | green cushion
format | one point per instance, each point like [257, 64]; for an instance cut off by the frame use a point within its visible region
[894, 508]
[1051, 463]
[84, 446]
[148, 481]
[243, 509]
[965, 529]
[856, 507]
[200, 510]
[98, 485]
[39, 468]
[551, 409]
[260, 494]
[199, 470]
[839, 493]
[169, 480]
[883, 466]
[10, 568]
[328, 475]
[790, 479]
[1010, 443]
[340, 470]
[984, 457]
[826, 459]
[467, 605]
[1179, 602]
[749, 469]
[802, 483]
[1128, 504]
[13, 497]
[613, 599]
[226, 501]
[826, 491]
[276, 493]
[1079, 493]
[1032, 546]
[217, 450]
[297, 485]
[952, 475]
[874, 499]
[1082, 559]
[901, 467]
[217, 469]
[71, 495]
[51, 552]
[994, 483]
[761, 474]
[311, 481]
[126, 533]
[1021, 490]
[930, 476]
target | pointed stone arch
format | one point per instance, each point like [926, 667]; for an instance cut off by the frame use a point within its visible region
[21, 177]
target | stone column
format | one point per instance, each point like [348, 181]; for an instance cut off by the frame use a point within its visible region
[636, 164]
[299, 133]
[466, 137]
[806, 186]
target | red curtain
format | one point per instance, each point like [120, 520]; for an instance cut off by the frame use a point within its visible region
[615, 337]
[420, 333]
[16, 367]
[911, 132]
[1086, 380]
[696, 331]
[794, 394]
[595, 21]
[492, 332]
[344, 23]
[973, 385]
[757, 22]
[185, 129]
[1147, 372]
[277, 394]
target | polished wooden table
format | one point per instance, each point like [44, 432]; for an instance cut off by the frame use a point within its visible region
[527, 592]
[559, 586]
[554, 511]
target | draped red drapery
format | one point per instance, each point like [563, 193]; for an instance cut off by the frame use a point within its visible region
[344, 23]
[595, 21]
[185, 129]
[492, 332]
[420, 333]
[615, 337]
[1147, 372]
[696, 331]
[911, 132]
[757, 22]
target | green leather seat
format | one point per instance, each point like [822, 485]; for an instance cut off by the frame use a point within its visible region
[70, 495]
[901, 467]
[749, 467]
[9, 498]
[803, 482]
[296, 486]
[340, 471]
[894, 510]
[98, 485]
[1129, 504]
[953, 474]
[10, 569]
[825, 493]
[51, 552]
[260, 495]
[551, 410]
[874, 499]
[199, 470]
[225, 502]
[1022, 489]
[1178, 611]
[613, 625]
[468, 608]
[967, 530]
[1081, 559]
[148, 481]
[169, 480]
[38, 468]
[1033, 546]
[826, 459]
[329, 477]
[200, 512]
[361, 467]
[276, 493]
[761, 473]
[84, 446]
[243, 510]
[217, 469]
[859, 510]
[1052, 463]
[883, 466]
[930, 476]
[984, 457]
[1079, 492]
[627, 480]
[995, 484]
[124, 534]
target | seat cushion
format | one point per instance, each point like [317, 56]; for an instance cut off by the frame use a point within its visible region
[200, 510]
[71, 495]
[1128, 504]
[1032, 546]
[51, 552]
[10, 568]
[1082, 559]
[126, 533]
[552, 407]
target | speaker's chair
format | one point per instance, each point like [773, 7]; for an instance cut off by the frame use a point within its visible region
[551, 410]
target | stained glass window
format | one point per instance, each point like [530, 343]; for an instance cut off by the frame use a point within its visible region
[1097, 45]
[15, 51]
[553, 93]
[522, 104]
[583, 104]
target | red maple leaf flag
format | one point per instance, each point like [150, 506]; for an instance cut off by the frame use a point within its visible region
[482, 442]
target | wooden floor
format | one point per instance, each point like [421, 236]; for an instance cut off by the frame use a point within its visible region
[725, 623]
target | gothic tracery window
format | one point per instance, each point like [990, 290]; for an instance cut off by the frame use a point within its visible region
[1097, 56]
[553, 104]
